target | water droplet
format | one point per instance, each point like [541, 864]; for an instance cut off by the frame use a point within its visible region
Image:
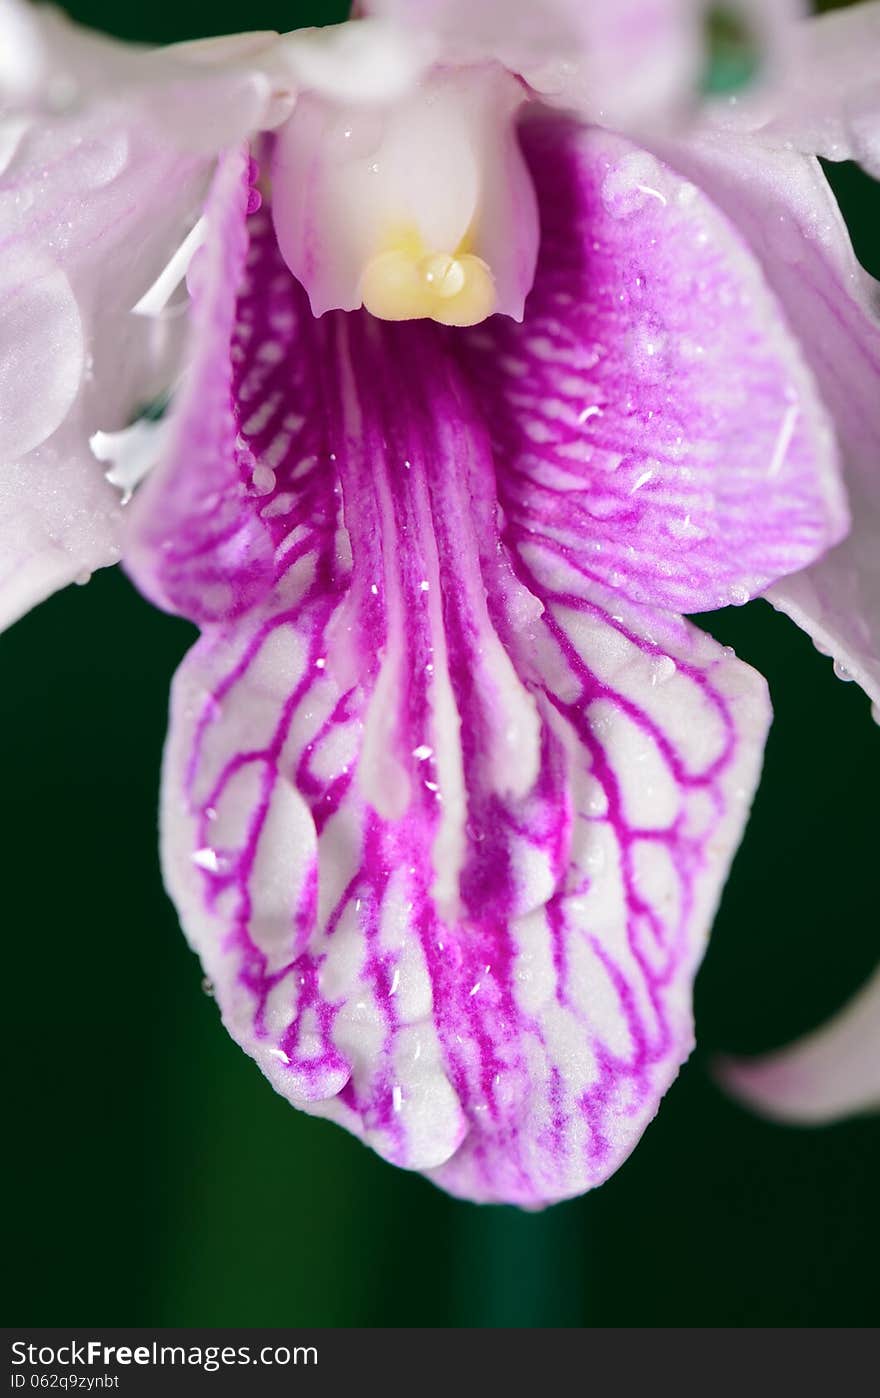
[662, 669]
[843, 673]
[207, 986]
[208, 859]
[263, 480]
[594, 859]
[649, 345]
[738, 595]
[632, 184]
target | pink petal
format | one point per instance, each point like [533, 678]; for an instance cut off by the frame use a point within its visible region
[445, 821]
[659, 428]
[831, 1073]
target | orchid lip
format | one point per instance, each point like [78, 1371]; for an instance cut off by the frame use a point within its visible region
[450, 792]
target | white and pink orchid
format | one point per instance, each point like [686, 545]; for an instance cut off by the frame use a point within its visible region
[497, 353]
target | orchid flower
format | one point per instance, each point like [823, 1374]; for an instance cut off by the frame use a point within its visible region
[496, 355]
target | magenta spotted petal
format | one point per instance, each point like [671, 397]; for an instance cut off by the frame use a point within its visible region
[660, 431]
[518, 1046]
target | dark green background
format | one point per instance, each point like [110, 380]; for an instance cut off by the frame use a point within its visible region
[154, 1177]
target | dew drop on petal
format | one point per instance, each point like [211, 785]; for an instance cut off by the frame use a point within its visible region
[263, 480]
[209, 860]
[662, 669]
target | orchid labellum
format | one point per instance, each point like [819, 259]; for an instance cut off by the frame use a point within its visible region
[488, 351]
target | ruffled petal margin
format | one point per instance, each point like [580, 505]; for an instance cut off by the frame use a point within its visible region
[445, 819]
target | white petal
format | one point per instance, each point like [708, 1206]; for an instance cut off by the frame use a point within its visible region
[59, 521]
[205, 96]
[43, 352]
[367, 61]
[828, 102]
[614, 60]
[831, 1073]
[91, 208]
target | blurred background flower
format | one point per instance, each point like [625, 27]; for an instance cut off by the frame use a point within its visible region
[157, 1179]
